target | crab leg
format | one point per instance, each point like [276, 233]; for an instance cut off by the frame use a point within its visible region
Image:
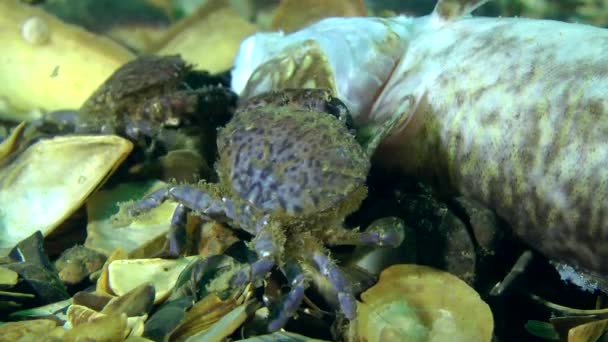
[289, 304]
[189, 199]
[388, 231]
[192, 198]
[265, 247]
[177, 231]
[338, 279]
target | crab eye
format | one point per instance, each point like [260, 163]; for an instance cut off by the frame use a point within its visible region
[338, 109]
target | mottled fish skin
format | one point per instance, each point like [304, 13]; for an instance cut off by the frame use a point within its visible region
[508, 111]
[513, 113]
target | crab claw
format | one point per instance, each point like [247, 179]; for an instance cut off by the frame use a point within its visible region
[387, 231]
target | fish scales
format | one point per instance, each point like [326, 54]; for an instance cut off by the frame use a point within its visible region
[508, 111]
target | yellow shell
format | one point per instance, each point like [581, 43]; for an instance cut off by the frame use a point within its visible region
[47, 64]
[51, 179]
[419, 303]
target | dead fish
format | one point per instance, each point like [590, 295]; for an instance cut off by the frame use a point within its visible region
[511, 112]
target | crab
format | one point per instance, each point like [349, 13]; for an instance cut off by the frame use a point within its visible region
[289, 174]
[147, 95]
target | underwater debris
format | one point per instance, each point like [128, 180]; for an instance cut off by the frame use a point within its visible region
[110, 228]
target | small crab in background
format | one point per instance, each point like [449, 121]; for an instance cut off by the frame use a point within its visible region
[290, 171]
[147, 95]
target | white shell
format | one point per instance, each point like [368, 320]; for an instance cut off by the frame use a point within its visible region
[362, 53]
[51, 179]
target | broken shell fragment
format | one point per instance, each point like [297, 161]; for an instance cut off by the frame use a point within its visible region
[109, 227]
[410, 302]
[51, 179]
[125, 275]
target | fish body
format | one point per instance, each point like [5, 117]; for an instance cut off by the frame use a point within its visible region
[512, 112]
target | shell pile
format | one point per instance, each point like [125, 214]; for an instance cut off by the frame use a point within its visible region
[75, 265]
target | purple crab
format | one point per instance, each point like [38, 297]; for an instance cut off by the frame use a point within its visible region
[290, 171]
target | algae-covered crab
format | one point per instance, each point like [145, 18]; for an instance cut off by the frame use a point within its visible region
[146, 95]
[289, 174]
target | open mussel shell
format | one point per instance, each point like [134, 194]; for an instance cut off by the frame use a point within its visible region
[51, 179]
[411, 303]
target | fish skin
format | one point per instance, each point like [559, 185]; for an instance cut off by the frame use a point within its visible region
[511, 112]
